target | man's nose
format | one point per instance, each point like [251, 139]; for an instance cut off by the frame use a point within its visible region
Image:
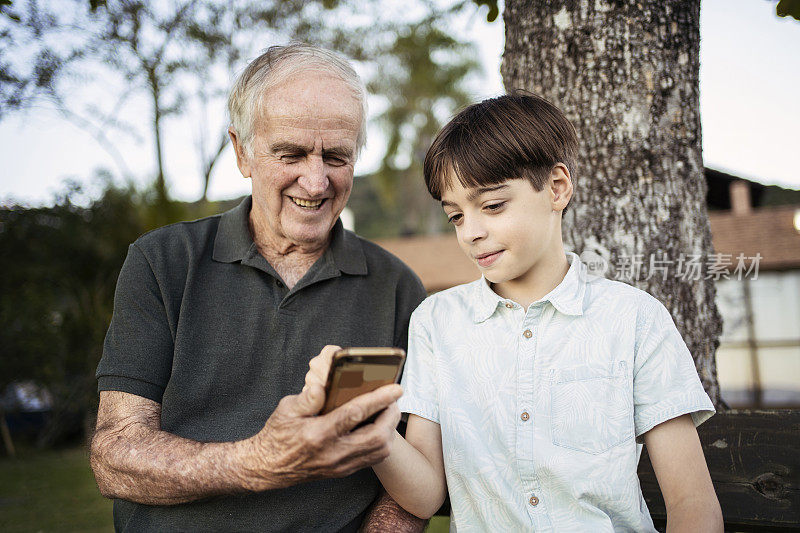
[314, 179]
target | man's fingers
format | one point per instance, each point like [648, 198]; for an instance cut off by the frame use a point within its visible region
[389, 418]
[323, 360]
[349, 415]
[320, 365]
[308, 403]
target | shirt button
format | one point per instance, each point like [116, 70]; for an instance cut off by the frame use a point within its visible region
[525, 416]
[527, 334]
[534, 501]
[279, 283]
[509, 305]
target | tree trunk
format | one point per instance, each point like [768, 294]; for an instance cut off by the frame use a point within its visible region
[626, 75]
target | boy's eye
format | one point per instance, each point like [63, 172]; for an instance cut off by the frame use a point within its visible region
[495, 207]
[454, 218]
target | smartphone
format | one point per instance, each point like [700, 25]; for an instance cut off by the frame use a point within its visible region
[355, 371]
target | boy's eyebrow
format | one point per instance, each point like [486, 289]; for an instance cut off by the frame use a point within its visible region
[474, 193]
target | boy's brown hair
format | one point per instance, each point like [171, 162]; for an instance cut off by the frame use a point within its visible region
[517, 135]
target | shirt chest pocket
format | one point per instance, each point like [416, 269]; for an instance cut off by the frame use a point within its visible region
[591, 409]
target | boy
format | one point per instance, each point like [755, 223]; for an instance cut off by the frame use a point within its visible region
[532, 389]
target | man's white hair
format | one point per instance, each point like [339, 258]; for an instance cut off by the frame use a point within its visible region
[275, 65]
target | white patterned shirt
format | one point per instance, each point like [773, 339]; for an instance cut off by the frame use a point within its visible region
[542, 411]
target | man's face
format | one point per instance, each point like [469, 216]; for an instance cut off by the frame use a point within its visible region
[304, 149]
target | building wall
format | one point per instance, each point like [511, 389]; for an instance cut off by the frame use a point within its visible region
[775, 300]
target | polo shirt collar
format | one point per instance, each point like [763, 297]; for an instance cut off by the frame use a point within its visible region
[566, 297]
[347, 251]
[233, 241]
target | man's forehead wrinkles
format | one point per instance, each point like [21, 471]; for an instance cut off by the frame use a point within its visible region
[298, 121]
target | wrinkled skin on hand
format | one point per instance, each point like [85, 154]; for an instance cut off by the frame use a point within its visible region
[296, 445]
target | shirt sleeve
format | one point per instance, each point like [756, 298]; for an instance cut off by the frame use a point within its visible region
[419, 376]
[138, 348]
[665, 383]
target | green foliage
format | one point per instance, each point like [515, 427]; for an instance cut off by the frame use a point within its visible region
[60, 266]
[422, 76]
[179, 57]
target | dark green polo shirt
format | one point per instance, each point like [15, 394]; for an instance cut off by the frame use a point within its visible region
[204, 325]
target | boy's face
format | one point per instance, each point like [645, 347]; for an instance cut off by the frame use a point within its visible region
[510, 229]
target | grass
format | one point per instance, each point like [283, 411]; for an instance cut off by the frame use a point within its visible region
[51, 491]
[55, 491]
[438, 524]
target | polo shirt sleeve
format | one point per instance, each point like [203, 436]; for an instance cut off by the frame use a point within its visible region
[138, 348]
[665, 382]
[419, 375]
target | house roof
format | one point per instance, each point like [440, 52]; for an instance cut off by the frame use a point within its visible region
[770, 231]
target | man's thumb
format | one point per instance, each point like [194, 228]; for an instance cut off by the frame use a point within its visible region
[311, 400]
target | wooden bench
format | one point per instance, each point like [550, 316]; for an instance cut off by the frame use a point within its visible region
[754, 460]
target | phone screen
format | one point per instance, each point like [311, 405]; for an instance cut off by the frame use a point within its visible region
[356, 371]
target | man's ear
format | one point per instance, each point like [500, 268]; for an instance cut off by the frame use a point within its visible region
[242, 161]
[560, 187]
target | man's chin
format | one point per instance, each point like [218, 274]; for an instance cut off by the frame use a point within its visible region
[310, 236]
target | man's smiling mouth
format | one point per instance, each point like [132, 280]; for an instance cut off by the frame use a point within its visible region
[307, 204]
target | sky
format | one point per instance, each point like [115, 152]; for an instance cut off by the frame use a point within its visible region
[749, 75]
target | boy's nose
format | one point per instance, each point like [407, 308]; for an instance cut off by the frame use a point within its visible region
[472, 231]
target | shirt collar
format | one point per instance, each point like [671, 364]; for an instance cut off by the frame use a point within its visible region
[234, 242]
[566, 297]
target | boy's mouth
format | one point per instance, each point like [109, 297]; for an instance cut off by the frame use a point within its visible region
[487, 259]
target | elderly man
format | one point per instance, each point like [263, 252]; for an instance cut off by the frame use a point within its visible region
[203, 422]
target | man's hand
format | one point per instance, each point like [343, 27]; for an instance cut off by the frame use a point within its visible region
[296, 445]
[134, 460]
[319, 367]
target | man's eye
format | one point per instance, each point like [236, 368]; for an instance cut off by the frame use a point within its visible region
[290, 158]
[454, 219]
[335, 161]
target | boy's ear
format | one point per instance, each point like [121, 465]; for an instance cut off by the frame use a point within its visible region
[560, 187]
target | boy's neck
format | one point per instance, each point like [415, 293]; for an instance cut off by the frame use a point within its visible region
[539, 281]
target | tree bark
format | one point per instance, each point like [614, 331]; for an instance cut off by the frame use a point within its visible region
[626, 74]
